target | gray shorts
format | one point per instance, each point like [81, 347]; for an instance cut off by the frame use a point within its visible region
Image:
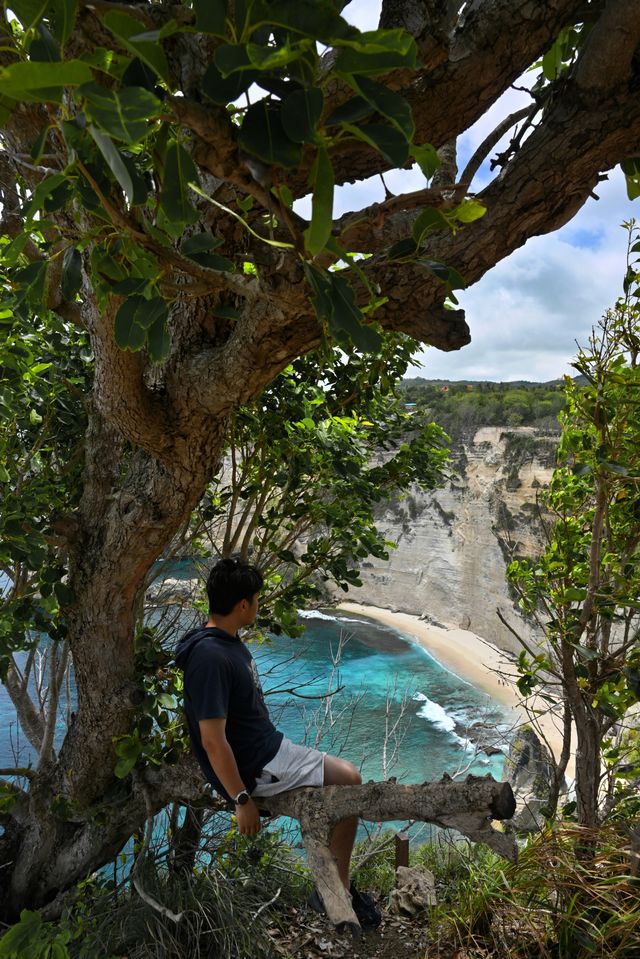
[291, 767]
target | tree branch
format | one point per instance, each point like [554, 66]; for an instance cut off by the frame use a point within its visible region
[467, 807]
[605, 61]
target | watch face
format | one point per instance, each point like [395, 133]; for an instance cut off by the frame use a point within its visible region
[242, 798]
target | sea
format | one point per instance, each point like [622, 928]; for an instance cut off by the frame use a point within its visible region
[360, 689]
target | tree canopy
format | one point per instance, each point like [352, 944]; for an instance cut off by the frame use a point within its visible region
[157, 275]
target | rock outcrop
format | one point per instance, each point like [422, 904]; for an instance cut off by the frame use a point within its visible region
[530, 770]
[453, 544]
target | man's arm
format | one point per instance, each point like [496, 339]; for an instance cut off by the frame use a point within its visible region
[223, 763]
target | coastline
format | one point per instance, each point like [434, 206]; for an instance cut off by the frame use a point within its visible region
[472, 659]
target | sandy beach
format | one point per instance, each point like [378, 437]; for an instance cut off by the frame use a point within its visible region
[472, 659]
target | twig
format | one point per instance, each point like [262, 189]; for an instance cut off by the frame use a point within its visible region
[25, 771]
[137, 885]
[265, 905]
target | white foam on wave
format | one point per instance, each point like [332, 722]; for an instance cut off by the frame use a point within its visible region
[435, 713]
[316, 614]
[438, 716]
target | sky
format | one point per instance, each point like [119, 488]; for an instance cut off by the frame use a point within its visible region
[527, 314]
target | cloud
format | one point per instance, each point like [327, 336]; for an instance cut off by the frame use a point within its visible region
[527, 313]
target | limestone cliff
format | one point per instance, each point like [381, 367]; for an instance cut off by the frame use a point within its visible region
[453, 544]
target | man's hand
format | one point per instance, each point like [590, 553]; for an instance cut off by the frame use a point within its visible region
[248, 819]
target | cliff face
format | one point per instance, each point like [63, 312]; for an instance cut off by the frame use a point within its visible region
[454, 543]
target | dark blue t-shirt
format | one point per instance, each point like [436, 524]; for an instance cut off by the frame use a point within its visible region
[221, 680]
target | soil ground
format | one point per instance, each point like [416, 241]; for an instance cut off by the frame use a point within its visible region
[305, 935]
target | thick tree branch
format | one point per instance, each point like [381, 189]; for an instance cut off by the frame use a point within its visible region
[447, 100]
[467, 807]
[605, 62]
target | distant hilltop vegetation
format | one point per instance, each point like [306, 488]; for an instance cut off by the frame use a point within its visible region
[461, 405]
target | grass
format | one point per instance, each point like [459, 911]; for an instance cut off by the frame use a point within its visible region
[572, 895]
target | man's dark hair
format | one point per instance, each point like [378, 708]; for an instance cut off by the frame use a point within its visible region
[230, 581]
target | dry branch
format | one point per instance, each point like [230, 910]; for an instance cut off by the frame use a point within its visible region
[468, 807]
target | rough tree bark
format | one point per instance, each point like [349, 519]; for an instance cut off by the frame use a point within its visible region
[468, 807]
[156, 433]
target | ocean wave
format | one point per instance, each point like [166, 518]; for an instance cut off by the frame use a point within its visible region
[316, 614]
[438, 716]
[435, 713]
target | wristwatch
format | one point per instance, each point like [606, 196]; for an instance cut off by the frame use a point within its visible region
[242, 798]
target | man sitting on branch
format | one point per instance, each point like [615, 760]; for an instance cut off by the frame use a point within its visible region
[240, 751]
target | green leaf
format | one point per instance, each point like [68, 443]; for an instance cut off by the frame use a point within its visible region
[32, 282]
[7, 106]
[334, 302]
[317, 19]
[232, 57]
[322, 179]
[43, 192]
[39, 145]
[159, 341]
[168, 29]
[114, 161]
[356, 108]
[63, 15]
[44, 47]
[262, 134]
[612, 467]
[386, 140]
[448, 275]
[39, 82]
[429, 219]
[300, 114]
[269, 58]
[198, 248]
[403, 249]
[226, 312]
[140, 184]
[149, 312]
[71, 280]
[377, 52]
[179, 171]
[552, 60]
[125, 28]
[129, 334]
[130, 285]
[211, 16]
[64, 595]
[468, 210]
[124, 766]
[347, 317]
[387, 102]
[223, 90]
[123, 114]
[23, 938]
[426, 157]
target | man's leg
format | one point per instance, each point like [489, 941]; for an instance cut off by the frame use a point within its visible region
[340, 772]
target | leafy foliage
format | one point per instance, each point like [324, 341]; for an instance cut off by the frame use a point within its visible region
[465, 405]
[120, 124]
[308, 463]
[585, 587]
[42, 425]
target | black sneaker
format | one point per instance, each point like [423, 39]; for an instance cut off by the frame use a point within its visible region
[368, 916]
[315, 902]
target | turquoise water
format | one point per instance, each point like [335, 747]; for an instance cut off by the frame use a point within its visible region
[397, 712]
[392, 690]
